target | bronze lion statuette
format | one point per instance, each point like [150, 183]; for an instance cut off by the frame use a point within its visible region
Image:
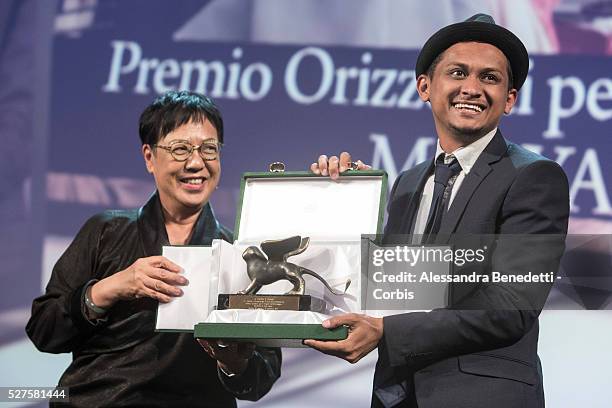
[266, 270]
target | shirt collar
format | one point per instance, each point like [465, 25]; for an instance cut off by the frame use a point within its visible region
[467, 155]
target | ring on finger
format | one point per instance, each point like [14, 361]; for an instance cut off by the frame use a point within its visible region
[157, 285]
[353, 165]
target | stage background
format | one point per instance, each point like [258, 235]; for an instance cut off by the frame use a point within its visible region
[293, 79]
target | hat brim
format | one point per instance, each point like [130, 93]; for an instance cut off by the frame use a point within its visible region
[477, 31]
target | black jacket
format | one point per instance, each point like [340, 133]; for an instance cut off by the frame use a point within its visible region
[482, 350]
[121, 360]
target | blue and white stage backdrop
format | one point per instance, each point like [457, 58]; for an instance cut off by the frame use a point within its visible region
[294, 79]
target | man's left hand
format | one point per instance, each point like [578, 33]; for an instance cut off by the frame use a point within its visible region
[232, 357]
[364, 334]
[334, 166]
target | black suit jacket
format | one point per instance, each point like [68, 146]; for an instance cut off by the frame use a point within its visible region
[486, 356]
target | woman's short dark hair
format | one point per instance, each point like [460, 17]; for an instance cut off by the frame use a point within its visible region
[175, 109]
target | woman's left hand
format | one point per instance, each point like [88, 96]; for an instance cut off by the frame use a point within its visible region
[232, 356]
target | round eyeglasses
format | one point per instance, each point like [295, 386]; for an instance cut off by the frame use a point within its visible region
[181, 150]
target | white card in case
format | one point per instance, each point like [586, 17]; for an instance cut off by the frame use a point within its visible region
[183, 312]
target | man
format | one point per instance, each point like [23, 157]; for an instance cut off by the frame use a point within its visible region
[470, 73]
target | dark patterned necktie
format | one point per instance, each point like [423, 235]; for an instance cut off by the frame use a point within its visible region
[444, 178]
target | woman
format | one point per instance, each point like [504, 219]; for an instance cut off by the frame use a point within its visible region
[101, 301]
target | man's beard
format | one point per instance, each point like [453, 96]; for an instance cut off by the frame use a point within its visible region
[469, 135]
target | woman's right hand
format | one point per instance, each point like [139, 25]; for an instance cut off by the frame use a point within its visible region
[156, 277]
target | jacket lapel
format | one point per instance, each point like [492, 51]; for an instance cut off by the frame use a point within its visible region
[151, 227]
[413, 205]
[491, 154]
[405, 200]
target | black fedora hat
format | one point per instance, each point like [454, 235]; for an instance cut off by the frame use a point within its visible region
[478, 28]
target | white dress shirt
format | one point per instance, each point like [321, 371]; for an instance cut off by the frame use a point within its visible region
[466, 156]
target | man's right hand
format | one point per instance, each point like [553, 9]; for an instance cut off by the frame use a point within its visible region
[156, 277]
[334, 166]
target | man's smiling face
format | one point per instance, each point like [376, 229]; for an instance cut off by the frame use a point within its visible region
[468, 91]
